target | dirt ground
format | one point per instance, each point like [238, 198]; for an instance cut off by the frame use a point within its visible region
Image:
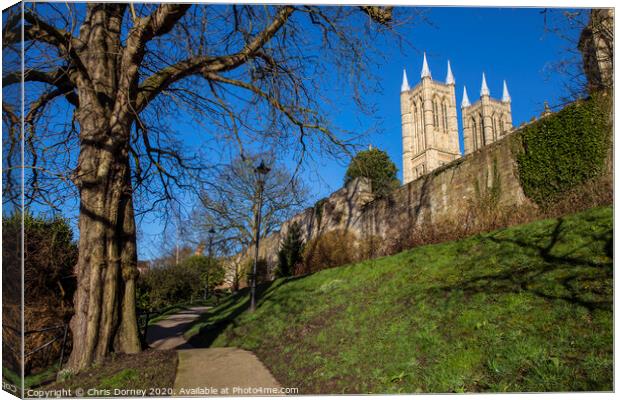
[145, 370]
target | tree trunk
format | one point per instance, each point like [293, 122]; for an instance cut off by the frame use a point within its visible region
[105, 312]
[105, 300]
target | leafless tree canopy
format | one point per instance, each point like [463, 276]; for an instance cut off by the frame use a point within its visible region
[114, 93]
[234, 76]
[229, 207]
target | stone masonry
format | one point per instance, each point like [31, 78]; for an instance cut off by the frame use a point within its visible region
[442, 195]
[429, 124]
[487, 120]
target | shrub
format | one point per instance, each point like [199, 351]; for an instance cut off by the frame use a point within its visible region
[370, 247]
[185, 282]
[328, 250]
[210, 271]
[262, 271]
[291, 251]
[50, 255]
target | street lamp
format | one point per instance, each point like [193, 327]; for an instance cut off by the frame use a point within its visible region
[211, 233]
[260, 172]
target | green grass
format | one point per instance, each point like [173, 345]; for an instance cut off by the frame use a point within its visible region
[120, 380]
[42, 377]
[33, 380]
[528, 308]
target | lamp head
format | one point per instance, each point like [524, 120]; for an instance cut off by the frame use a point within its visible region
[262, 169]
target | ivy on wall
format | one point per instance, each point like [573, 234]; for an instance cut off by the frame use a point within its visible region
[318, 210]
[487, 197]
[565, 149]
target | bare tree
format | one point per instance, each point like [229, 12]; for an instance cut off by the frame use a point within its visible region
[105, 80]
[228, 206]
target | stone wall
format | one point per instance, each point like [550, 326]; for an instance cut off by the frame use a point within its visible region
[448, 193]
[341, 210]
[445, 194]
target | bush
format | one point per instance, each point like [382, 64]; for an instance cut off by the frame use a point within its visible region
[291, 251]
[375, 165]
[262, 271]
[564, 150]
[50, 254]
[329, 250]
[210, 271]
[182, 283]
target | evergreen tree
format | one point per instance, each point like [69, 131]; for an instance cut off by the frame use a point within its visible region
[291, 250]
[375, 165]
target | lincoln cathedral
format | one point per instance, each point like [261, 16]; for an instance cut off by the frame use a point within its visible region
[430, 127]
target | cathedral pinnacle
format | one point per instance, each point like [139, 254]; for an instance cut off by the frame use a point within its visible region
[449, 76]
[426, 72]
[405, 85]
[484, 89]
[505, 94]
[465, 101]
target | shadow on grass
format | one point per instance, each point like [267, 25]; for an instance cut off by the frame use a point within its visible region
[552, 265]
[214, 322]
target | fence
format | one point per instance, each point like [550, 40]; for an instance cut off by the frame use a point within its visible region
[62, 335]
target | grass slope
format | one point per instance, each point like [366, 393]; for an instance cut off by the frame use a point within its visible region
[528, 308]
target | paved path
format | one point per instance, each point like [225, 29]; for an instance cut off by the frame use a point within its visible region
[213, 371]
[168, 333]
[221, 371]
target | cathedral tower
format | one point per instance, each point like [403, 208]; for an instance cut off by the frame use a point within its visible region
[429, 124]
[485, 121]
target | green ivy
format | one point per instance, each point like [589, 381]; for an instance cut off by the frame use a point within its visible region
[563, 150]
[488, 199]
[318, 210]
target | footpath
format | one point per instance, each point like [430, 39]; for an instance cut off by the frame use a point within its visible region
[215, 371]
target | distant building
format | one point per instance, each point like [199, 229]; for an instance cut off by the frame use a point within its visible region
[143, 267]
[487, 120]
[429, 122]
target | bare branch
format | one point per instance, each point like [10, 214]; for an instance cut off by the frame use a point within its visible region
[161, 80]
[58, 78]
[381, 15]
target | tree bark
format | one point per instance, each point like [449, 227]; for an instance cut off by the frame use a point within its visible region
[105, 314]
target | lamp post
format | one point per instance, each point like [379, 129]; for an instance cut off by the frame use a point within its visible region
[261, 172]
[211, 233]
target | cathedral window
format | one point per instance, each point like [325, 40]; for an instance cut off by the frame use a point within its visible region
[474, 129]
[501, 125]
[435, 115]
[494, 121]
[444, 110]
[421, 127]
[483, 141]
